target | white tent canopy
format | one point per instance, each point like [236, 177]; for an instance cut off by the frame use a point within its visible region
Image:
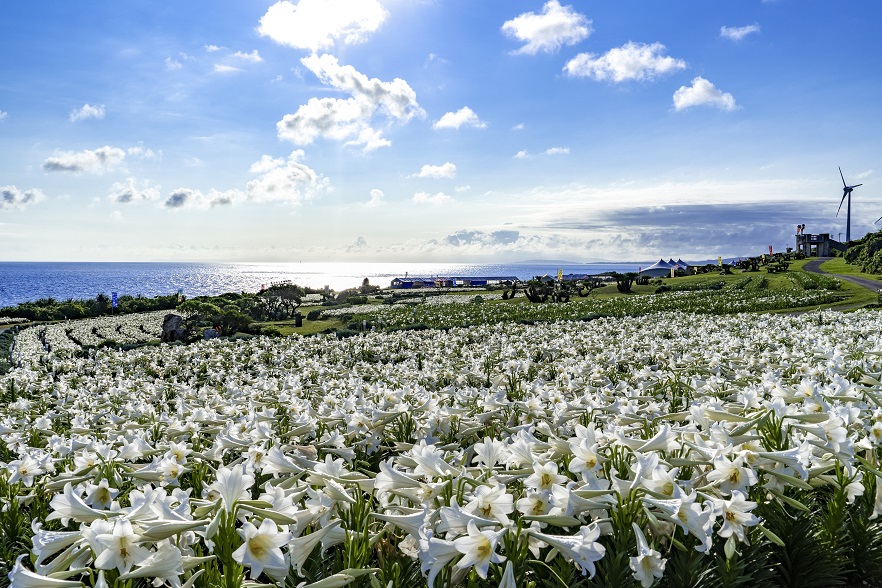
[659, 269]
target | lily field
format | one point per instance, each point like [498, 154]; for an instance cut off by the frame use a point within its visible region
[687, 438]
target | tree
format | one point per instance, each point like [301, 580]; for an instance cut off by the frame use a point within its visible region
[366, 287]
[279, 301]
[199, 314]
[625, 281]
[542, 290]
[100, 305]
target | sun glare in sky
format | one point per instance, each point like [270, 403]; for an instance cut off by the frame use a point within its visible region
[430, 130]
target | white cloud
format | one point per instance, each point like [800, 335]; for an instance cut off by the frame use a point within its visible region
[703, 93]
[11, 197]
[318, 24]
[447, 170]
[426, 198]
[86, 112]
[173, 64]
[116, 216]
[187, 198]
[632, 61]
[361, 244]
[282, 180]
[465, 188]
[212, 48]
[253, 57]
[222, 69]
[465, 116]
[143, 153]
[3, 115]
[738, 33]
[131, 191]
[865, 174]
[349, 120]
[547, 32]
[524, 154]
[376, 198]
[265, 164]
[483, 239]
[96, 161]
[518, 127]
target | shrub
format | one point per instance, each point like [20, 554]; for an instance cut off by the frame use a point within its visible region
[271, 331]
[313, 315]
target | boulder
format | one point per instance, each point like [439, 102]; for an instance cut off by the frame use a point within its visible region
[172, 328]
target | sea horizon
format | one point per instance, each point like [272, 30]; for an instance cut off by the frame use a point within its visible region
[27, 281]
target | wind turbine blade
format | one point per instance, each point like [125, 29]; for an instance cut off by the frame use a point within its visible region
[840, 203]
[841, 176]
[856, 185]
[877, 220]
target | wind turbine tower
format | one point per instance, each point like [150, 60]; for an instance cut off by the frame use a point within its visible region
[846, 193]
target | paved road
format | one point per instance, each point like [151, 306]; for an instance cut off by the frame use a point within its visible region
[815, 266]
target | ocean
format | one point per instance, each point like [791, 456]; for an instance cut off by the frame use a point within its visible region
[28, 281]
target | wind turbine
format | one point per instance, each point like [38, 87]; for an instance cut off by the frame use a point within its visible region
[846, 192]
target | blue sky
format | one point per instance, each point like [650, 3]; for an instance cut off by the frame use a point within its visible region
[434, 130]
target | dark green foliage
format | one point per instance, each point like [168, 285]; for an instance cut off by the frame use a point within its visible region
[806, 560]
[6, 339]
[686, 568]
[751, 567]
[625, 281]
[271, 331]
[49, 309]
[15, 528]
[867, 253]
[864, 537]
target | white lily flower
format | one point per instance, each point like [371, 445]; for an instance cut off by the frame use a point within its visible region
[648, 564]
[69, 505]
[545, 477]
[21, 577]
[478, 549]
[233, 485]
[100, 495]
[48, 543]
[262, 549]
[735, 514]
[121, 548]
[491, 502]
[165, 563]
[435, 554]
[455, 519]
[489, 453]
[731, 475]
[24, 470]
[582, 549]
[301, 547]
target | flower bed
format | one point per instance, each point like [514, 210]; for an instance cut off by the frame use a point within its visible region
[441, 315]
[674, 448]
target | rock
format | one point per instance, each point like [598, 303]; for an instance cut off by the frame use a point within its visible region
[172, 328]
[210, 334]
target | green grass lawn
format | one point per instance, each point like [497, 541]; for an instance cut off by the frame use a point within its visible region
[852, 295]
[838, 265]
